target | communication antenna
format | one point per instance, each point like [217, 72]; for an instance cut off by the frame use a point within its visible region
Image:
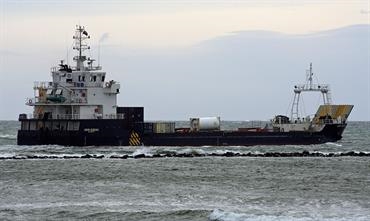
[68, 56]
[99, 54]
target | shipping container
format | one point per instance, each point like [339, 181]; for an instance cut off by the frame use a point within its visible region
[164, 127]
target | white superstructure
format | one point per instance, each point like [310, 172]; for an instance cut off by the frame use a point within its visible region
[78, 92]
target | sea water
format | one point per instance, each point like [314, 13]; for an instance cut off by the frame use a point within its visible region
[192, 188]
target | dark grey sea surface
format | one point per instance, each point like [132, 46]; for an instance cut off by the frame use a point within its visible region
[198, 188]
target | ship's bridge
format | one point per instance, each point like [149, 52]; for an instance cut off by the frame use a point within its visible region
[80, 90]
[79, 78]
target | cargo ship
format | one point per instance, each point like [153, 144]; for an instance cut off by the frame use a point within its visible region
[79, 108]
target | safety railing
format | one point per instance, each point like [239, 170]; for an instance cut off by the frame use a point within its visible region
[46, 116]
[330, 121]
[42, 84]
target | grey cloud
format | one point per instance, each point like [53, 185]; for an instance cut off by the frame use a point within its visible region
[244, 76]
[9, 53]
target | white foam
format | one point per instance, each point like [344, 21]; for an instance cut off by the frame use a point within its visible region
[63, 155]
[192, 151]
[220, 215]
[144, 150]
[8, 136]
[224, 151]
[333, 144]
[6, 155]
[59, 156]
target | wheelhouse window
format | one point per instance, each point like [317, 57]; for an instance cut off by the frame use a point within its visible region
[49, 92]
[93, 78]
[59, 92]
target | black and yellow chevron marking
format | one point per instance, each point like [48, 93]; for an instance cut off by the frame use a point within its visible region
[134, 139]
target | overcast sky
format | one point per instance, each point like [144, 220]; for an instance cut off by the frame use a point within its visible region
[182, 59]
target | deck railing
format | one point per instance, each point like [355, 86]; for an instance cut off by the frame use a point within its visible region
[37, 100]
[75, 116]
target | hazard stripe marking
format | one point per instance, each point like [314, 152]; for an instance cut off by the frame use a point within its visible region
[134, 139]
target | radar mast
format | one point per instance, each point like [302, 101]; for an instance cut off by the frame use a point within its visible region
[309, 86]
[80, 36]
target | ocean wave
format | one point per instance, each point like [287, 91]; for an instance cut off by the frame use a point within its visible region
[8, 136]
[149, 215]
[333, 144]
[194, 151]
[112, 211]
[144, 151]
[220, 215]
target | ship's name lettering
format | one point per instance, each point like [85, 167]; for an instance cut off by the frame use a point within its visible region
[91, 130]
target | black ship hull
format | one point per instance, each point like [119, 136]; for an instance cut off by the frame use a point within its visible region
[122, 133]
[110, 132]
[225, 138]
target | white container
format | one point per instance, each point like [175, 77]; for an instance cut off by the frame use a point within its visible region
[205, 123]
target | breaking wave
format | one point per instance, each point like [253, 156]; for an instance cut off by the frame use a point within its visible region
[8, 136]
[219, 215]
[142, 151]
[333, 144]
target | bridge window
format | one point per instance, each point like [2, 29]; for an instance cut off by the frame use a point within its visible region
[49, 92]
[93, 78]
[58, 92]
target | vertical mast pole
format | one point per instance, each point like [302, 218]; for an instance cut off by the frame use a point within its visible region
[80, 40]
[310, 79]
